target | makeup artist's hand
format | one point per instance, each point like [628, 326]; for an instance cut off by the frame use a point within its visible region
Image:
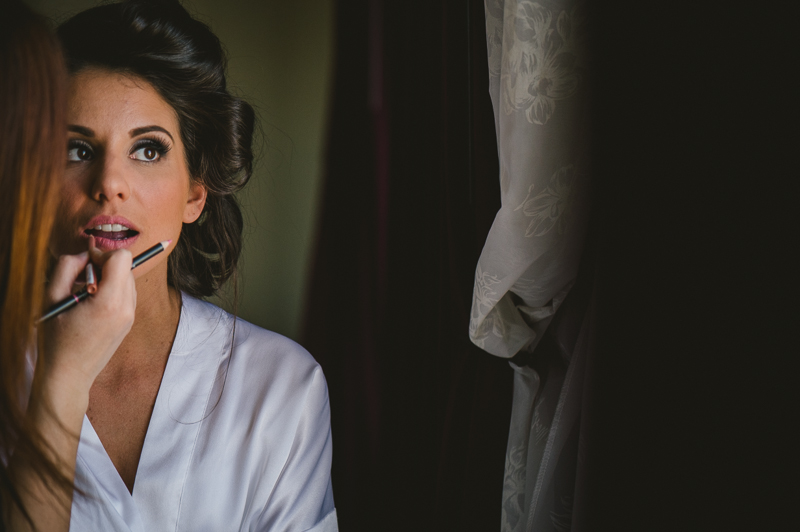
[77, 345]
[80, 342]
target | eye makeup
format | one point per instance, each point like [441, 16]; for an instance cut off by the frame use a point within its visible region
[79, 150]
[149, 149]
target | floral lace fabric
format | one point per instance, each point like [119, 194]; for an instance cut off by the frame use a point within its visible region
[537, 70]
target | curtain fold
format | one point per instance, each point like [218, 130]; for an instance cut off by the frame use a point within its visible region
[529, 264]
[418, 411]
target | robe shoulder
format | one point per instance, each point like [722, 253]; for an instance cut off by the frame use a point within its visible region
[239, 439]
[262, 362]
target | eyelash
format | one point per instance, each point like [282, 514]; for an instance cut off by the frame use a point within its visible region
[75, 144]
[155, 143]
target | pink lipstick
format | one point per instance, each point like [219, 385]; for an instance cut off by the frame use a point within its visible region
[111, 232]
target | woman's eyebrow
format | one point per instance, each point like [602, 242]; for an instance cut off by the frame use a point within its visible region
[85, 131]
[147, 129]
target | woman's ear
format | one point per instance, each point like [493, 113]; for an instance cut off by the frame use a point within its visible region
[194, 202]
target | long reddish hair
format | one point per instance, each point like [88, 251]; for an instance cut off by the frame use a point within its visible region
[33, 85]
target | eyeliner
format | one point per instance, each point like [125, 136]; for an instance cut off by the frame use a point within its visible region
[69, 302]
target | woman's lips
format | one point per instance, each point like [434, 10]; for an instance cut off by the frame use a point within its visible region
[108, 240]
[111, 232]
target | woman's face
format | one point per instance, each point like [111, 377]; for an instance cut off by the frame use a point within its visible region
[127, 182]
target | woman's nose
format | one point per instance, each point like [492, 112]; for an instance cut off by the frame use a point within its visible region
[110, 183]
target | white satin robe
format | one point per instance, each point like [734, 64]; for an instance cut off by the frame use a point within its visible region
[237, 442]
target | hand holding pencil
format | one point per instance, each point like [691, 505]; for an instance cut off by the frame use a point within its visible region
[79, 343]
[90, 287]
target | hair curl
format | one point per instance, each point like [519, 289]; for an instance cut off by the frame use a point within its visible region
[158, 41]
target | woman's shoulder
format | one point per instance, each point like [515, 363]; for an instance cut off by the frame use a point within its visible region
[256, 352]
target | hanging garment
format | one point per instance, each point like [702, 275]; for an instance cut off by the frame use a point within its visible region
[239, 440]
[538, 84]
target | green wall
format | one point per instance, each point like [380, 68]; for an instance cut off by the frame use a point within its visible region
[280, 60]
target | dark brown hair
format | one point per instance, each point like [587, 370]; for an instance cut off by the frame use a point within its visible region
[33, 83]
[158, 41]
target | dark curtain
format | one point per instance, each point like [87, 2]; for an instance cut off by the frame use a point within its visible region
[690, 419]
[695, 379]
[419, 415]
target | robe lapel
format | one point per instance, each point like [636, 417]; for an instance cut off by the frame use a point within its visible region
[180, 408]
[105, 502]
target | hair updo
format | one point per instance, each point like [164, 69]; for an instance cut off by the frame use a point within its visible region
[158, 41]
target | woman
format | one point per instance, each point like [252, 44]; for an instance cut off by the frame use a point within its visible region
[38, 443]
[200, 421]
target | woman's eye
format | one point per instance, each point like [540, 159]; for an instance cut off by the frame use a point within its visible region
[79, 153]
[147, 153]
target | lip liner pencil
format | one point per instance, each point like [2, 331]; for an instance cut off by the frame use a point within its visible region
[69, 302]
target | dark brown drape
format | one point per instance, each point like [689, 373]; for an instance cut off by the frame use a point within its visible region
[695, 227]
[419, 415]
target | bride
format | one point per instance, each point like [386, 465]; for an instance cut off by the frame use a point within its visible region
[200, 421]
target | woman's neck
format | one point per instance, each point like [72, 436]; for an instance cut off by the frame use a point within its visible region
[148, 344]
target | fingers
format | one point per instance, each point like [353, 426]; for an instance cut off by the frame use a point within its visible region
[116, 291]
[116, 288]
[108, 316]
[97, 257]
[116, 267]
[67, 270]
